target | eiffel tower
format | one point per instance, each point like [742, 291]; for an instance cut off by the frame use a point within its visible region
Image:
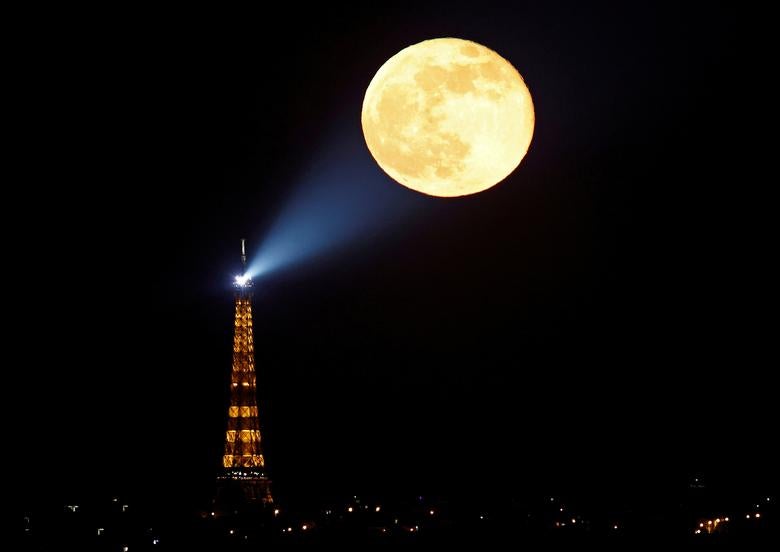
[242, 479]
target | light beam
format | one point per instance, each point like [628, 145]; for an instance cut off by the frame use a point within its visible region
[340, 199]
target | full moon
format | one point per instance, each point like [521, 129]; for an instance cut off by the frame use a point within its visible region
[448, 117]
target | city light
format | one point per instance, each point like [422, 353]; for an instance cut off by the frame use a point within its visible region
[713, 528]
[712, 525]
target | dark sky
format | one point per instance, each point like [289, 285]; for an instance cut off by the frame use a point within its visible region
[591, 323]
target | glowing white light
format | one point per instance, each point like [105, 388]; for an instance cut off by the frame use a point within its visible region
[758, 515]
[242, 279]
[378, 508]
[304, 527]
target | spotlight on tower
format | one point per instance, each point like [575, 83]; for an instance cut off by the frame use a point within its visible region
[243, 280]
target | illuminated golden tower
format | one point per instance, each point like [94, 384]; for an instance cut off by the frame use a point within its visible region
[242, 479]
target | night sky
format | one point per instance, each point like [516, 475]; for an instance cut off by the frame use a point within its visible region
[592, 324]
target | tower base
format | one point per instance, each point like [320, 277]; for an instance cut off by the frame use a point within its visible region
[241, 492]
